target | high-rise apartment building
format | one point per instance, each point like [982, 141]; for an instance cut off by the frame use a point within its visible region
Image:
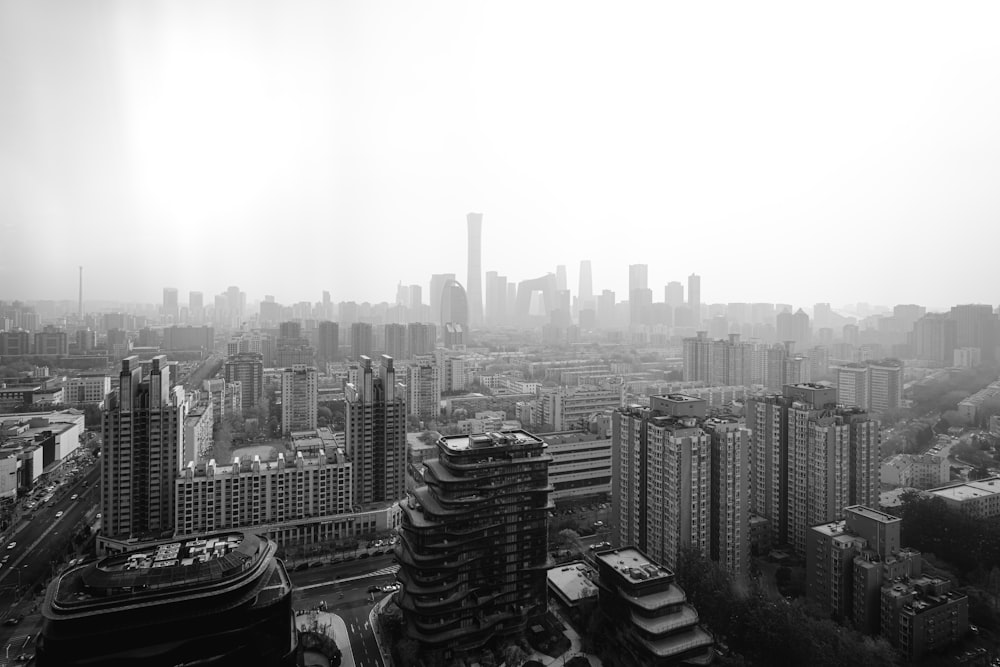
[852, 385]
[299, 393]
[376, 432]
[328, 342]
[935, 337]
[474, 278]
[885, 385]
[247, 368]
[424, 388]
[724, 363]
[361, 340]
[812, 459]
[421, 338]
[395, 341]
[143, 426]
[459, 593]
[673, 294]
[665, 458]
[976, 326]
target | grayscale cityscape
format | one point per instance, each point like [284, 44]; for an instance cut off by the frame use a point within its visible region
[499, 335]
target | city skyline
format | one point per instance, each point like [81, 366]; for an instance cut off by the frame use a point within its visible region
[782, 141]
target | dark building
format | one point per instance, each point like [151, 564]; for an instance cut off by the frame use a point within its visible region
[221, 600]
[247, 368]
[188, 338]
[361, 340]
[473, 545]
[646, 612]
[375, 432]
[328, 342]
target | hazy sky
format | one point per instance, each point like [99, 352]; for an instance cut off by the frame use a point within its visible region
[792, 152]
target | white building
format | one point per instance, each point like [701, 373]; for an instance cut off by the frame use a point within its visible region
[88, 388]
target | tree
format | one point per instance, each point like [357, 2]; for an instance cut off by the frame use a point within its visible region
[569, 539]
[514, 655]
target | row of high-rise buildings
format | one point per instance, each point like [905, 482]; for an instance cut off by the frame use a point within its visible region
[682, 477]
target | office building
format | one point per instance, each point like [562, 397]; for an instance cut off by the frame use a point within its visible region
[178, 338]
[376, 432]
[979, 499]
[438, 281]
[247, 368]
[88, 388]
[646, 612]
[885, 385]
[14, 343]
[299, 394]
[474, 278]
[565, 408]
[328, 342]
[496, 299]
[694, 298]
[673, 294]
[361, 340]
[171, 313]
[141, 455]
[585, 294]
[812, 459]
[454, 305]
[51, 341]
[581, 465]
[221, 599]
[196, 307]
[459, 593]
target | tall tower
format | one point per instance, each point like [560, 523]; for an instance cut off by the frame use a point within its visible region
[80, 311]
[586, 292]
[694, 297]
[170, 310]
[376, 432]
[474, 282]
[196, 307]
[143, 429]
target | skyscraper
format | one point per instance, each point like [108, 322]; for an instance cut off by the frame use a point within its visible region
[438, 281]
[141, 456]
[638, 277]
[299, 394]
[474, 280]
[421, 338]
[694, 297]
[170, 309]
[935, 337]
[196, 307]
[976, 326]
[472, 554]
[395, 341]
[586, 293]
[673, 294]
[376, 432]
[454, 305]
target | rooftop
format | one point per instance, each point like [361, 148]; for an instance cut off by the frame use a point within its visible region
[969, 490]
[633, 566]
[458, 443]
[870, 513]
[574, 580]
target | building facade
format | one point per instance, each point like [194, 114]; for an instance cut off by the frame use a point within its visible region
[299, 393]
[247, 368]
[376, 432]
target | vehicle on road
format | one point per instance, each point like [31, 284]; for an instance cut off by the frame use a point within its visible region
[59, 514]
[11, 545]
[13, 620]
[600, 545]
[74, 496]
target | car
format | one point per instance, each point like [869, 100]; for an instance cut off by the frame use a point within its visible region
[59, 514]
[5, 558]
[598, 524]
[600, 545]
[11, 545]
[74, 496]
[374, 589]
[391, 588]
[24, 657]
[13, 620]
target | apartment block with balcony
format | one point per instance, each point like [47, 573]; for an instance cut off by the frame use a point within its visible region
[473, 545]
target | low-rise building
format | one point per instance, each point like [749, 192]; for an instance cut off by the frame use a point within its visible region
[922, 614]
[581, 464]
[647, 613]
[88, 388]
[921, 471]
[979, 499]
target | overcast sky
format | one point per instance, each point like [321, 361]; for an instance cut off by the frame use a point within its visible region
[789, 152]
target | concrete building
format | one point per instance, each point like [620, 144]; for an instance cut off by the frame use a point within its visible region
[376, 433]
[142, 453]
[581, 464]
[812, 459]
[976, 326]
[474, 278]
[647, 613]
[328, 342]
[565, 408]
[299, 393]
[459, 594]
[361, 340]
[935, 337]
[662, 494]
[51, 342]
[969, 407]
[919, 471]
[188, 338]
[852, 385]
[421, 338]
[423, 384]
[88, 388]
[221, 597]
[198, 426]
[694, 298]
[247, 368]
[979, 499]
[885, 385]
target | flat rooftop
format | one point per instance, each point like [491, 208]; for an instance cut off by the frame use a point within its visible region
[633, 566]
[460, 443]
[869, 513]
[969, 490]
[574, 580]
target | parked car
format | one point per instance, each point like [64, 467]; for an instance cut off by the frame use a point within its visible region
[600, 545]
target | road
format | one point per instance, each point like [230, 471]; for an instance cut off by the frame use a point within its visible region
[344, 588]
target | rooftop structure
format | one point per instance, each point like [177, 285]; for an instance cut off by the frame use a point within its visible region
[220, 599]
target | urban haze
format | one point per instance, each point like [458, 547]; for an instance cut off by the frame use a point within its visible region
[454, 334]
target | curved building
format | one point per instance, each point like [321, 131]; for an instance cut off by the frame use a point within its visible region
[454, 304]
[219, 600]
[472, 553]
